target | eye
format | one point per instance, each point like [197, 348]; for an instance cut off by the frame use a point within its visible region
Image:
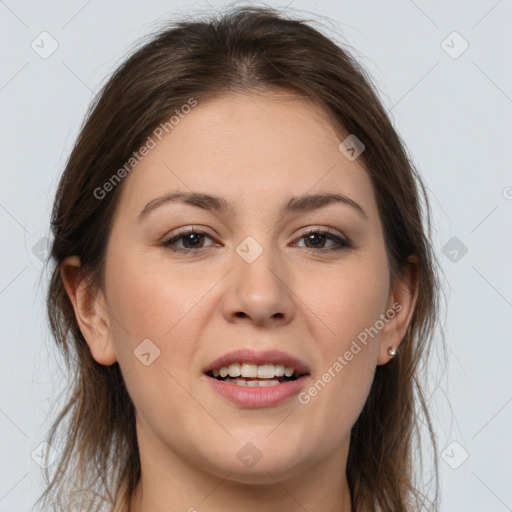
[315, 237]
[191, 240]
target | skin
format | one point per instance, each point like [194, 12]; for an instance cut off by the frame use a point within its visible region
[297, 296]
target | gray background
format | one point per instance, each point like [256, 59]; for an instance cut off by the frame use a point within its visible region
[453, 110]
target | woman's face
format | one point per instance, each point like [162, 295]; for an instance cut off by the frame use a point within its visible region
[250, 280]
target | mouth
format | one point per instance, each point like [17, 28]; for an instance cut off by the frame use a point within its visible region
[253, 375]
[252, 379]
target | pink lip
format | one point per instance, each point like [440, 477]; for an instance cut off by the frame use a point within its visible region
[253, 397]
[258, 357]
[257, 396]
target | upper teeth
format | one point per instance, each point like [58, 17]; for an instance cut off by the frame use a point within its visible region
[262, 371]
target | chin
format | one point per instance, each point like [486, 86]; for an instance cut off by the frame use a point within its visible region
[251, 465]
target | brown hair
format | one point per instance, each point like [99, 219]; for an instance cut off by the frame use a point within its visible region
[245, 49]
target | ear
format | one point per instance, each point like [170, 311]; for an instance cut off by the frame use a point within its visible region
[90, 311]
[400, 308]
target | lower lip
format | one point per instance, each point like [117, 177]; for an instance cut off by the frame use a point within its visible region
[254, 397]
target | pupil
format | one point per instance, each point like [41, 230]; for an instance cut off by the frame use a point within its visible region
[192, 238]
[313, 236]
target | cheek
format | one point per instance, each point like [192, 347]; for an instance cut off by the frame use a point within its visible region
[149, 298]
[147, 303]
[348, 301]
[349, 305]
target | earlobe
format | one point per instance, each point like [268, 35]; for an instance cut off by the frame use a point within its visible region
[90, 311]
[402, 301]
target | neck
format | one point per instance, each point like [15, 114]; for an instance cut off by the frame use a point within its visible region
[222, 494]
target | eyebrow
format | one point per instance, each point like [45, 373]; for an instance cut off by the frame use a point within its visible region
[297, 204]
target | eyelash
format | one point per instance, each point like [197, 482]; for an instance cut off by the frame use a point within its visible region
[342, 243]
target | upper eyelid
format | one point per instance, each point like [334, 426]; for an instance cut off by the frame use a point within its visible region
[199, 230]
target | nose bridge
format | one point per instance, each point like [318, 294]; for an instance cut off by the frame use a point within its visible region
[258, 266]
[257, 286]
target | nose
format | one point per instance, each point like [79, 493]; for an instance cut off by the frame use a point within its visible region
[259, 292]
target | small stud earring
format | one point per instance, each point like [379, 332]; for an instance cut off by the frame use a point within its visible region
[392, 351]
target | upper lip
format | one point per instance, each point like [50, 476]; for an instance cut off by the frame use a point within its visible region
[259, 358]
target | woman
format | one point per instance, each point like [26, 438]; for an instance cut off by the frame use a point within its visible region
[242, 282]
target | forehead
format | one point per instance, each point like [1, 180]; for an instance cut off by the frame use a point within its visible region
[253, 148]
